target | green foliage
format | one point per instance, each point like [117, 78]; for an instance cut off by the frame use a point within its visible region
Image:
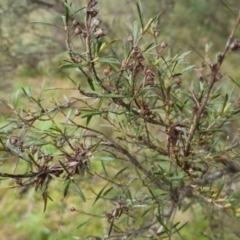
[164, 134]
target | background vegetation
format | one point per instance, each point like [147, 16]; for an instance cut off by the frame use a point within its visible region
[30, 56]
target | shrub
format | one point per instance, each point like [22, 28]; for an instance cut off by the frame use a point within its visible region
[159, 134]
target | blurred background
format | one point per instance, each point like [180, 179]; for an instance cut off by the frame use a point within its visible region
[30, 54]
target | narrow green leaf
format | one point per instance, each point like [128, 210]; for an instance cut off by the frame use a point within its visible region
[88, 119]
[238, 84]
[188, 68]
[106, 45]
[129, 196]
[107, 191]
[104, 168]
[82, 224]
[135, 32]
[145, 212]
[71, 10]
[65, 22]
[79, 191]
[104, 95]
[16, 97]
[90, 83]
[96, 44]
[90, 115]
[56, 128]
[138, 173]
[65, 193]
[45, 198]
[45, 184]
[1, 141]
[47, 24]
[214, 145]
[99, 194]
[74, 65]
[162, 223]
[220, 188]
[181, 57]
[227, 6]
[211, 130]
[149, 23]
[67, 119]
[108, 60]
[140, 13]
[72, 81]
[120, 172]
[64, 167]
[224, 103]
[27, 93]
[151, 192]
[104, 159]
[178, 229]
[149, 47]
[17, 151]
[66, 14]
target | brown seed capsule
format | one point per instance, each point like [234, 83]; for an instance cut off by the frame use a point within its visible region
[72, 209]
[95, 23]
[77, 112]
[164, 44]
[41, 154]
[92, 12]
[179, 81]
[77, 59]
[84, 34]
[33, 149]
[77, 31]
[100, 33]
[156, 33]
[106, 71]
[235, 45]
[149, 81]
[48, 157]
[149, 77]
[130, 38]
[75, 22]
[220, 57]
[14, 140]
[92, 3]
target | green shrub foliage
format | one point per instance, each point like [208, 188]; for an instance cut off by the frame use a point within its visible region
[149, 133]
